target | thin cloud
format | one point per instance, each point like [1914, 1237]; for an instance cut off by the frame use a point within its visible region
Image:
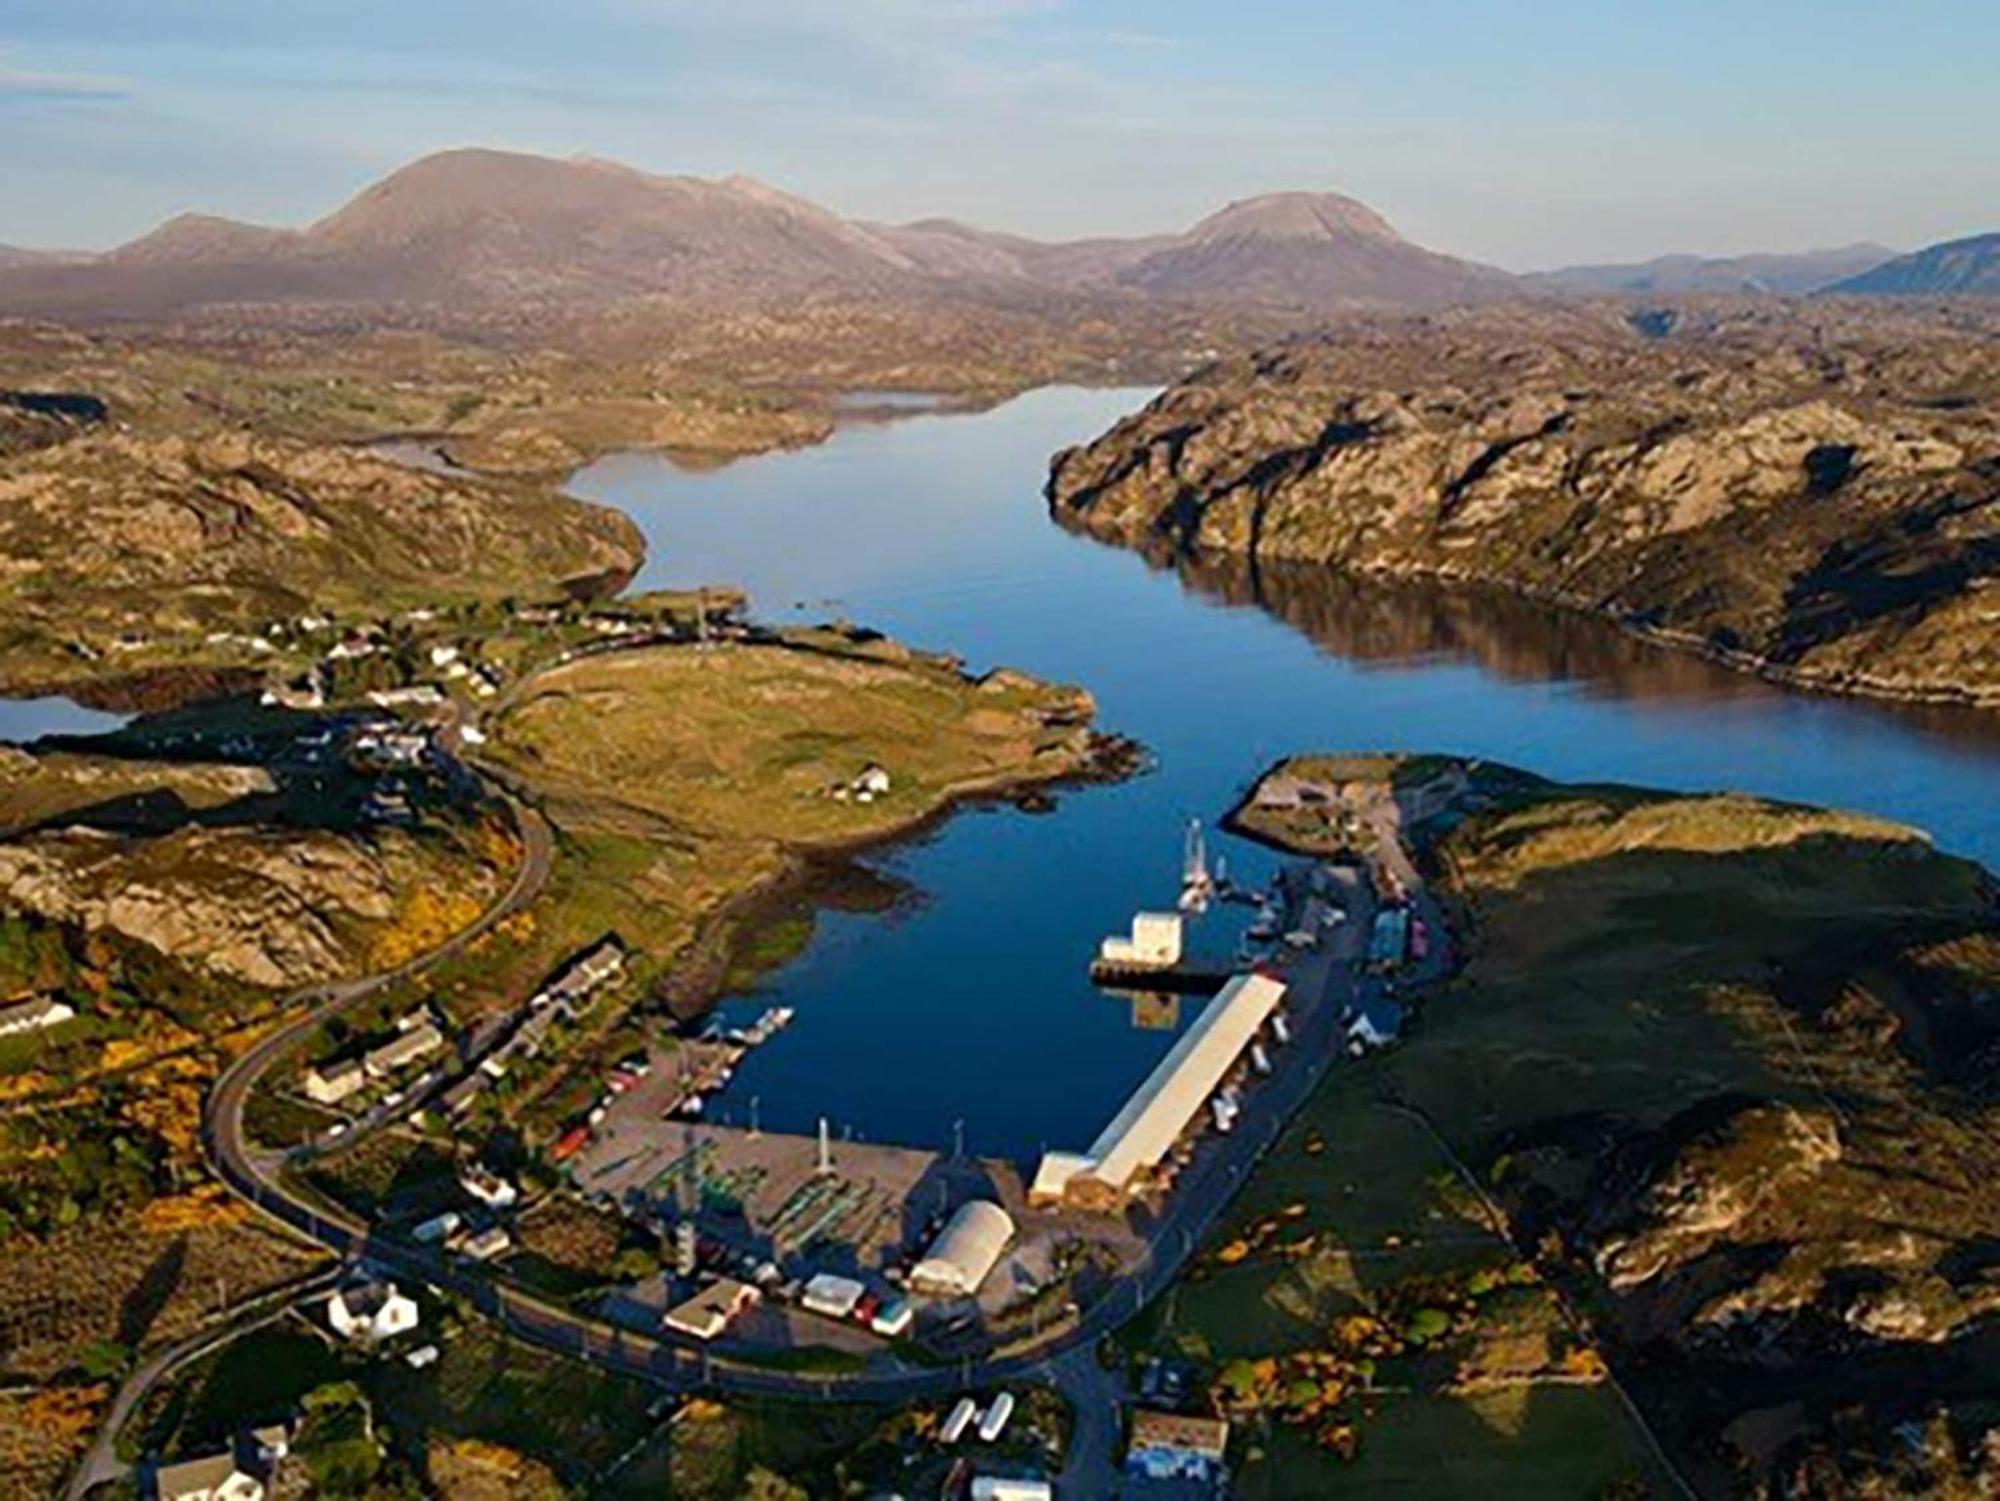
[24, 83]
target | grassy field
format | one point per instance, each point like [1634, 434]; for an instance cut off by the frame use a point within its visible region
[691, 792]
[749, 742]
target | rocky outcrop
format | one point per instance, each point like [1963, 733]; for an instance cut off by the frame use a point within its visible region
[262, 906]
[1816, 499]
[1703, 1199]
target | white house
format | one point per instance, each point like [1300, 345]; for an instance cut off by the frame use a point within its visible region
[492, 1190]
[244, 1472]
[968, 1247]
[330, 1083]
[1376, 1022]
[33, 1015]
[213, 1477]
[369, 1309]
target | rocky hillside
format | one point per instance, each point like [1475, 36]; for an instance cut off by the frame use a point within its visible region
[195, 862]
[111, 541]
[1726, 1066]
[1956, 268]
[1815, 498]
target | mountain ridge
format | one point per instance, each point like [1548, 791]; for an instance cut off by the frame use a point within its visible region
[1966, 267]
[477, 225]
[1774, 273]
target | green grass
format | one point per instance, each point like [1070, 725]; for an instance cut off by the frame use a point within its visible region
[570, 1417]
[1551, 1444]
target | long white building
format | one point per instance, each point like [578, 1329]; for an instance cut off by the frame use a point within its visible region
[1142, 1133]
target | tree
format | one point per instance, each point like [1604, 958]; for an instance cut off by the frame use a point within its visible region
[104, 1360]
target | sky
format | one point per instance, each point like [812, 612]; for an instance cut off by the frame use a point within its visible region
[1524, 134]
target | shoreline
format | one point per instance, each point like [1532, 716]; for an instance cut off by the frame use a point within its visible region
[1849, 686]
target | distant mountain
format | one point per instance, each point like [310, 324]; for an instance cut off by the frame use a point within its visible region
[1957, 268]
[1786, 275]
[16, 255]
[478, 229]
[1311, 248]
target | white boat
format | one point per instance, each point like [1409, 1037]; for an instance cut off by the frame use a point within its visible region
[1280, 1028]
[1197, 885]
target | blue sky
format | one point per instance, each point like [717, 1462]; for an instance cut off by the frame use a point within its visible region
[1524, 134]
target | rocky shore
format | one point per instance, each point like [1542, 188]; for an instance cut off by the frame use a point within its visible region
[1816, 499]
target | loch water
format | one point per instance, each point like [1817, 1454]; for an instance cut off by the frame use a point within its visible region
[969, 1001]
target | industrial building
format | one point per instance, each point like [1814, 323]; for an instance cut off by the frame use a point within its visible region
[965, 1252]
[1155, 942]
[1142, 1133]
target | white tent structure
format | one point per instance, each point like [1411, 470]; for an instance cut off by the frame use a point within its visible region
[966, 1250]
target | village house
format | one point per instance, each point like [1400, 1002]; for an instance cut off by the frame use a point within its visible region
[492, 1190]
[34, 1015]
[330, 1083]
[1175, 1446]
[399, 1052]
[1376, 1021]
[243, 1472]
[368, 1309]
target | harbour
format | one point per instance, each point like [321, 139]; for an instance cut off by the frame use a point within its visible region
[969, 1007]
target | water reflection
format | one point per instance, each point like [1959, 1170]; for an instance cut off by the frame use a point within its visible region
[1397, 623]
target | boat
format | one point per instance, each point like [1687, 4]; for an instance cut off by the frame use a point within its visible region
[1197, 885]
[1280, 1028]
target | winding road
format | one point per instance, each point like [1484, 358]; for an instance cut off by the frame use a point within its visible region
[1222, 1164]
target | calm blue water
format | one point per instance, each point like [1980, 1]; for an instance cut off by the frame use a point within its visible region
[973, 1001]
[25, 719]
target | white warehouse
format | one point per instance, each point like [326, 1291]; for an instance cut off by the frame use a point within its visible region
[1155, 942]
[965, 1252]
[1144, 1131]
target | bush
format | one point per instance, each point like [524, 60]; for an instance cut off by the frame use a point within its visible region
[1427, 1324]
